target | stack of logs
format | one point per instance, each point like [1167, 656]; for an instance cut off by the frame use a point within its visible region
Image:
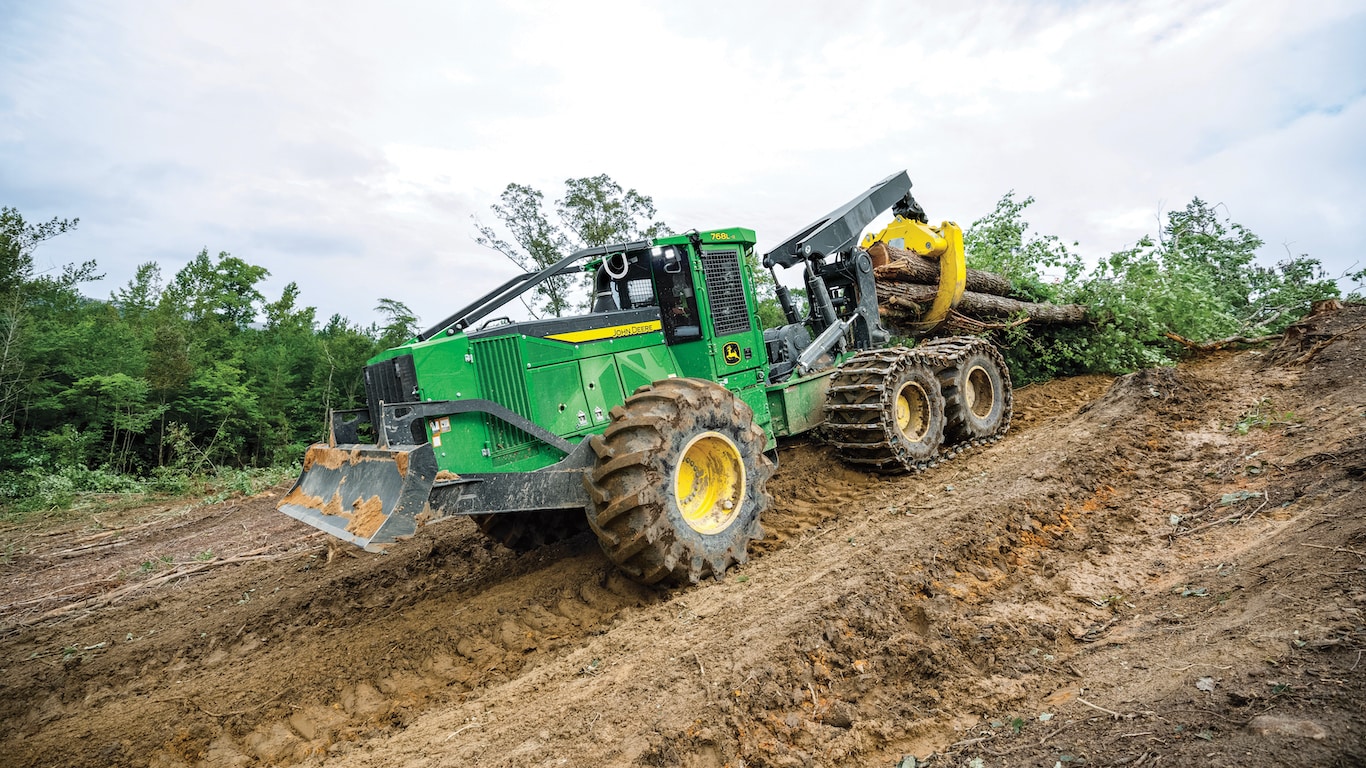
[908, 282]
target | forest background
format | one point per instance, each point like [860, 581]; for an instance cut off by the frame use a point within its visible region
[177, 384]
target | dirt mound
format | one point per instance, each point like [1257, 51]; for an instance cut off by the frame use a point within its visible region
[1172, 566]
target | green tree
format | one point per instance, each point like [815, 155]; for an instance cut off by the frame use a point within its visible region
[137, 300]
[18, 239]
[118, 405]
[1003, 242]
[338, 381]
[594, 211]
[219, 293]
[205, 349]
[25, 299]
[597, 211]
[400, 324]
[1198, 279]
[280, 359]
[221, 411]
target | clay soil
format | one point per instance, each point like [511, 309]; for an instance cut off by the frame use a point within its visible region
[1168, 568]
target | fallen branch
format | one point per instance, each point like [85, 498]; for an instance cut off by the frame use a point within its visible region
[1334, 549]
[462, 729]
[962, 322]
[115, 531]
[58, 594]
[1218, 344]
[74, 551]
[1239, 516]
[115, 595]
[1098, 708]
[1319, 346]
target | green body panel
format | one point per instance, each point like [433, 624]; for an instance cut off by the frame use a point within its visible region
[798, 404]
[567, 388]
[643, 366]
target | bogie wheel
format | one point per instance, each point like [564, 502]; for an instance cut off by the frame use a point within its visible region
[884, 410]
[525, 531]
[679, 483]
[977, 394]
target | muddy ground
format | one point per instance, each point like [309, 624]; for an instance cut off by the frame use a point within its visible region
[1164, 569]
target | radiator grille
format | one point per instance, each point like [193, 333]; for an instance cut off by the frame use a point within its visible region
[726, 292]
[502, 375]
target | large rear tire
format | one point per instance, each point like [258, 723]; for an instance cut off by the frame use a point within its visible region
[679, 484]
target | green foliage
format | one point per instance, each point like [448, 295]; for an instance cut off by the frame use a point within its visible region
[218, 294]
[400, 324]
[1002, 242]
[29, 303]
[594, 211]
[1198, 279]
[18, 238]
[1263, 416]
[167, 385]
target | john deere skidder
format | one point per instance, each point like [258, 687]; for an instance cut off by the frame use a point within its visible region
[652, 419]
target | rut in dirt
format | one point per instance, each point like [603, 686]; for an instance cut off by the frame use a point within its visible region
[332, 642]
[881, 617]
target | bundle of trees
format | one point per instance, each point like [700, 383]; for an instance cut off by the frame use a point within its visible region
[907, 284]
[1197, 279]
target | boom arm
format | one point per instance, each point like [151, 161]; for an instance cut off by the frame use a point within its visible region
[838, 230]
[846, 281]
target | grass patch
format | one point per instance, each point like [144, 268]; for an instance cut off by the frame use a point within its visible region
[33, 498]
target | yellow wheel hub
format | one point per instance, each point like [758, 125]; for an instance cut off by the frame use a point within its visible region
[912, 411]
[979, 395]
[709, 483]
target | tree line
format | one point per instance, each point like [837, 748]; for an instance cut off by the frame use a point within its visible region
[168, 377]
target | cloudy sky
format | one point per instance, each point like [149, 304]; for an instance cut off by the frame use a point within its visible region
[347, 146]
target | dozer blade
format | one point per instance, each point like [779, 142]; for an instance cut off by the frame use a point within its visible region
[364, 494]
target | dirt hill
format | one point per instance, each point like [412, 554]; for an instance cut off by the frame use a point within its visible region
[1164, 569]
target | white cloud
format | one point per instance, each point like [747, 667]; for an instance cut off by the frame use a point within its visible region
[345, 146]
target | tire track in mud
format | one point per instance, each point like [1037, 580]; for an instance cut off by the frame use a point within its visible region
[985, 601]
[291, 659]
[500, 637]
[278, 663]
[460, 632]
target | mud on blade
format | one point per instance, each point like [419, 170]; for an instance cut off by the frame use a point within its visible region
[364, 494]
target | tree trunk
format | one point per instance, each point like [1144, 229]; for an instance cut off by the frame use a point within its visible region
[907, 267]
[908, 301]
